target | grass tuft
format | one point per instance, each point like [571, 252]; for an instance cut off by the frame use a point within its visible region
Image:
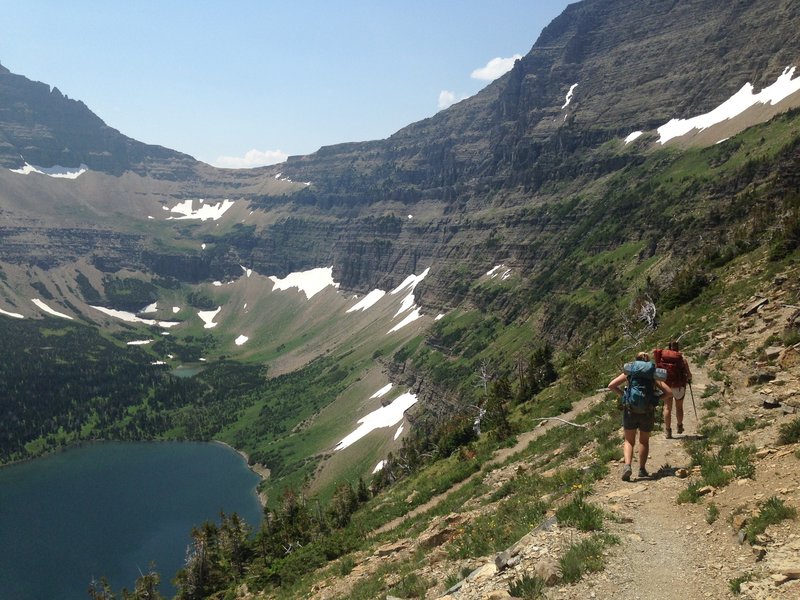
[789, 433]
[712, 513]
[581, 514]
[585, 557]
[735, 584]
[773, 510]
[529, 587]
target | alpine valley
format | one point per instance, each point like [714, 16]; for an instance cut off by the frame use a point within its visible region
[409, 338]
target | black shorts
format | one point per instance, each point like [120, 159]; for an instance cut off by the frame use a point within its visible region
[641, 421]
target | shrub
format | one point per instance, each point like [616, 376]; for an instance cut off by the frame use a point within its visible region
[411, 586]
[735, 584]
[690, 493]
[712, 513]
[746, 423]
[581, 514]
[773, 510]
[585, 557]
[686, 286]
[789, 433]
[529, 587]
[346, 565]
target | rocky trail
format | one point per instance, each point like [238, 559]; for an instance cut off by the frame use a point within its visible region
[668, 551]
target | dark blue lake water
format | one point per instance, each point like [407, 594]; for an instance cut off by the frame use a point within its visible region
[110, 510]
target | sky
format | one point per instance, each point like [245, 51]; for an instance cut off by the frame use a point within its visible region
[244, 83]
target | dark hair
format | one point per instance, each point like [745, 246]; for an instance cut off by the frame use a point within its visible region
[673, 345]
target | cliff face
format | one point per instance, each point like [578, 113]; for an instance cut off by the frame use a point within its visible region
[637, 64]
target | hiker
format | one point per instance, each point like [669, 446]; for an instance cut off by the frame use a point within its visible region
[678, 376]
[639, 400]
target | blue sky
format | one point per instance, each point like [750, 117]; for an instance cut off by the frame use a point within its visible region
[226, 80]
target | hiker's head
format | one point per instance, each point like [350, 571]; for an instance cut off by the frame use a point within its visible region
[643, 356]
[673, 345]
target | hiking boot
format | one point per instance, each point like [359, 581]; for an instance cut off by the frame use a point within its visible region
[626, 473]
[668, 434]
[680, 428]
[643, 472]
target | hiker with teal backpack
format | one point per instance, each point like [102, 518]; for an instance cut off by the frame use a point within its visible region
[645, 386]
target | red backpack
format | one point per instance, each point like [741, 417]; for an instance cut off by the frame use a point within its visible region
[672, 362]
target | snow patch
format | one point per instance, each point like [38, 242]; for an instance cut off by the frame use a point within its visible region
[176, 309]
[386, 416]
[247, 271]
[49, 310]
[399, 432]
[410, 318]
[439, 317]
[382, 392]
[11, 314]
[241, 340]
[633, 136]
[139, 342]
[783, 87]
[204, 213]
[494, 272]
[56, 171]
[208, 316]
[568, 99]
[217, 283]
[150, 308]
[129, 317]
[379, 467]
[309, 282]
[411, 281]
[158, 362]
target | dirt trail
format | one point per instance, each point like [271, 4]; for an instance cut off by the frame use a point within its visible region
[668, 551]
[500, 456]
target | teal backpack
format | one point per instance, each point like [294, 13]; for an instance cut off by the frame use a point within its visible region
[639, 396]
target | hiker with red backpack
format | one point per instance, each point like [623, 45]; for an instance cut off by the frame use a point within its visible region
[645, 385]
[678, 376]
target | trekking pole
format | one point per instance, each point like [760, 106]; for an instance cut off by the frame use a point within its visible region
[691, 393]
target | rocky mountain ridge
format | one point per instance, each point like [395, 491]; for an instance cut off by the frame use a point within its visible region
[470, 176]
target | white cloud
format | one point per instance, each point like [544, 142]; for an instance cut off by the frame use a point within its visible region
[252, 158]
[446, 99]
[494, 68]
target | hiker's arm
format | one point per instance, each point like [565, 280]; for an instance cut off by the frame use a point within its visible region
[615, 384]
[664, 388]
[688, 372]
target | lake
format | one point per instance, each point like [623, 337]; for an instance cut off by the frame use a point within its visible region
[110, 509]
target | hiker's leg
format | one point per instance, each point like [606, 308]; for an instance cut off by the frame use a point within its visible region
[627, 445]
[644, 448]
[678, 412]
[668, 414]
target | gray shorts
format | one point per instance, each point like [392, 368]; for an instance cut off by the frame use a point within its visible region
[641, 421]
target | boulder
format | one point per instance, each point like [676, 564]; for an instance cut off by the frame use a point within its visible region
[753, 307]
[790, 358]
[548, 571]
